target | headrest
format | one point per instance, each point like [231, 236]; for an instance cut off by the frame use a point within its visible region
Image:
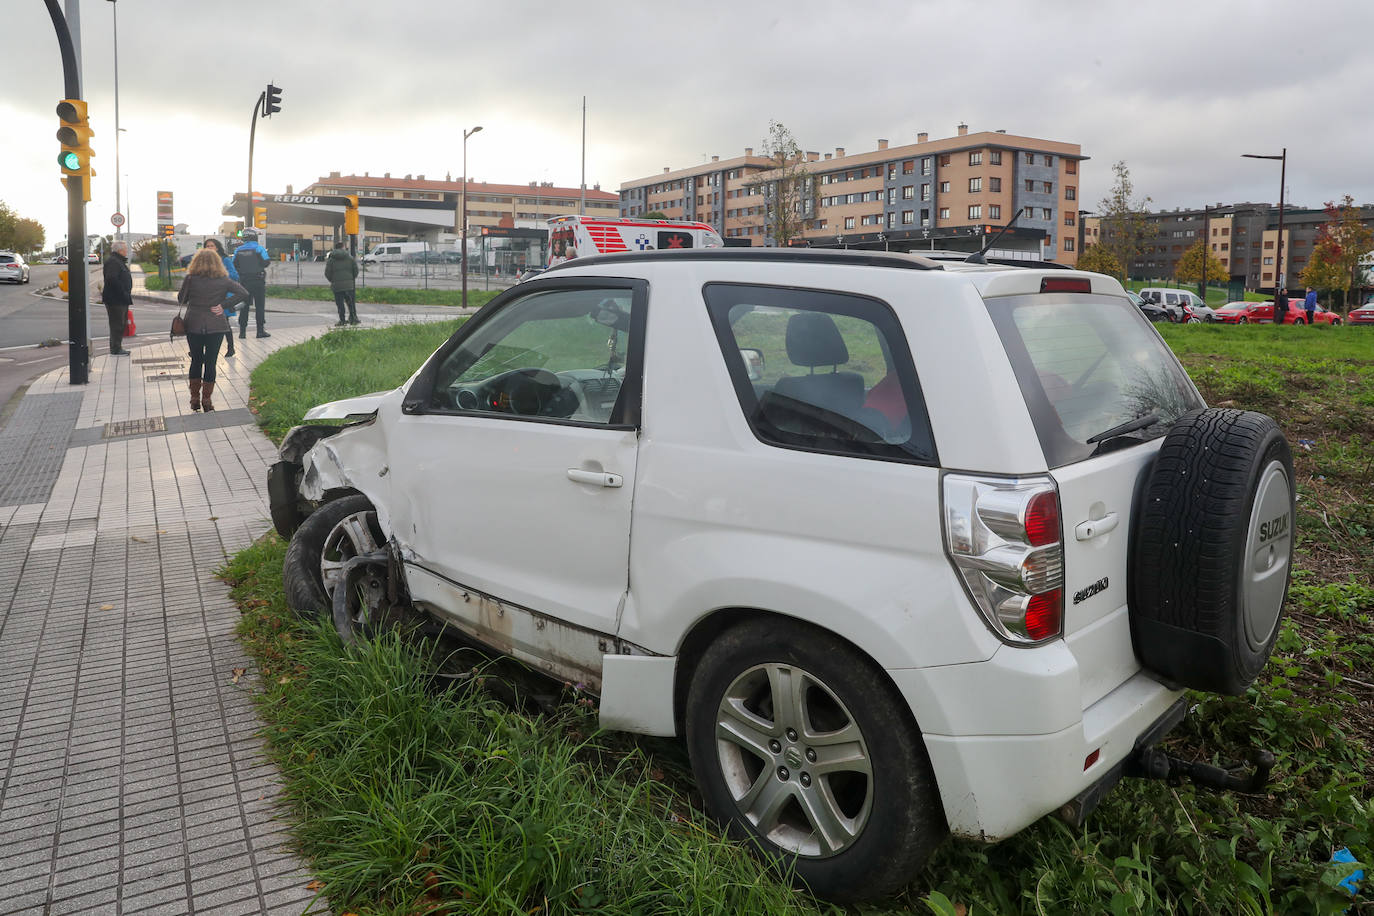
[813, 340]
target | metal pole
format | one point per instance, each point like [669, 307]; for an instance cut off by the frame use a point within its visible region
[252, 135]
[1281, 280]
[114, 9]
[1206, 241]
[79, 344]
[582, 208]
[463, 230]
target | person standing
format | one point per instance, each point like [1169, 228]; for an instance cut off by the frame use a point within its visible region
[1309, 304]
[229, 311]
[1281, 307]
[342, 271]
[250, 261]
[204, 292]
[118, 294]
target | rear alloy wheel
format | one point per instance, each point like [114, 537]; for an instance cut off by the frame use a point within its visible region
[1212, 550]
[800, 744]
[331, 536]
[1242, 320]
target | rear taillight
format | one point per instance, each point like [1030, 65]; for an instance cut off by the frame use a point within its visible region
[1004, 538]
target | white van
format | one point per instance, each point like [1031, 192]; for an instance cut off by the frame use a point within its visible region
[581, 236]
[395, 251]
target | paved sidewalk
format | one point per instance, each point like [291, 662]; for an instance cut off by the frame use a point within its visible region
[131, 777]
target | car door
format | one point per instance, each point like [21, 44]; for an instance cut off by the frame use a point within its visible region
[520, 440]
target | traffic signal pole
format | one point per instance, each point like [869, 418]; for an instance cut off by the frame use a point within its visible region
[78, 343]
[252, 135]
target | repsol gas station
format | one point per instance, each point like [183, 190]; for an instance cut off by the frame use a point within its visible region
[304, 225]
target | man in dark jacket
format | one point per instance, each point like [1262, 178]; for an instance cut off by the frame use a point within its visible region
[118, 294]
[341, 271]
[250, 260]
[1281, 307]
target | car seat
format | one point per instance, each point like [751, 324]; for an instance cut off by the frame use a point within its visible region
[812, 341]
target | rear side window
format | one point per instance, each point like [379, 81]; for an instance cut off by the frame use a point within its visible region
[1086, 365]
[821, 371]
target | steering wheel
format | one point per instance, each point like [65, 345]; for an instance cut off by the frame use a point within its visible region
[527, 390]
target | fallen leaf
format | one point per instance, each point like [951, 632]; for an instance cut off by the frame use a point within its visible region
[284, 679]
[134, 537]
[314, 885]
[238, 673]
[214, 518]
[107, 607]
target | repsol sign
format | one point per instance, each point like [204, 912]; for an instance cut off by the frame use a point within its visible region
[296, 199]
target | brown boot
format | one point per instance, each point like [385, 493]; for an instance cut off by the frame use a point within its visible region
[205, 393]
[195, 393]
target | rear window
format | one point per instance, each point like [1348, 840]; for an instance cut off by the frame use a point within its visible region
[1086, 365]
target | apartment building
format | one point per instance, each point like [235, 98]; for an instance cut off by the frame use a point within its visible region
[1243, 236]
[945, 193]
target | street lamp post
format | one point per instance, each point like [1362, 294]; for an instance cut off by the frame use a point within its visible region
[1283, 172]
[463, 230]
[114, 10]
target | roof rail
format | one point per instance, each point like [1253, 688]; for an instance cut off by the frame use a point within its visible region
[850, 257]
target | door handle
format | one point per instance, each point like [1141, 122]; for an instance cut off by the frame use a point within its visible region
[1096, 526]
[598, 478]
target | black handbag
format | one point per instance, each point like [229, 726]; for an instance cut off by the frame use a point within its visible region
[178, 326]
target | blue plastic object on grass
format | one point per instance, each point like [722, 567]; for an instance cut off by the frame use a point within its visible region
[1351, 882]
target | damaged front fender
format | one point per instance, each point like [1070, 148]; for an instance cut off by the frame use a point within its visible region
[353, 459]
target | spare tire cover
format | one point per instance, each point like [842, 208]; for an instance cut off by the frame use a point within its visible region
[1212, 549]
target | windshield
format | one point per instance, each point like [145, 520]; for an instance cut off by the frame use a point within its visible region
[1087, 365]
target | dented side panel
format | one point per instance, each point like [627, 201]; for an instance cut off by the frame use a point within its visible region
[355, 458]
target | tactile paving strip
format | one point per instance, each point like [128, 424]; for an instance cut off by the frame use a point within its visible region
[33, 445]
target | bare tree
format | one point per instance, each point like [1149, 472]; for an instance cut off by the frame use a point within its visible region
[1125, 223]
[787, 189]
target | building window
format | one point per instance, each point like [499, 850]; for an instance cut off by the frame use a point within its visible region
[1269, 244]
[849, 222]
[944, 213]
[891, 218]
[994, 211]
[892, 195]
[1046, 214]
[975, 211]
[944, 161]
[892, 170]
[1049, 187]
[925, 191]
[975, 158]
[1070, 166]
[1030, 158]
[1268, 261]
[1068, 244]
[1028, 212]
[975, 185]
[1030, 186]
[909, 166]
[1049, 160]
[995, 185]
[909, 191]
[906, 217]
[944, 187]
[995, 157]
[925, 166]
[1068, 219]
[925, 217]
[1070, 192]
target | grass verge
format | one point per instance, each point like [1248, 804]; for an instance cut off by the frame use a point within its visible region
[375, 759]
[387, 294]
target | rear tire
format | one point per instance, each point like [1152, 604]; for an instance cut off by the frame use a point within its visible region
[801, 745]
[328, 538]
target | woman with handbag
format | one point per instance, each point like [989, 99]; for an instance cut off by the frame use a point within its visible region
[205, 291]
[230, 312]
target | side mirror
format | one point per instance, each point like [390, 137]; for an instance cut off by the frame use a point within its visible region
[753, 362]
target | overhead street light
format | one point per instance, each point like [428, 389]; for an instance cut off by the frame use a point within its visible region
[114, 10]
[1279, 279]
[463, 229]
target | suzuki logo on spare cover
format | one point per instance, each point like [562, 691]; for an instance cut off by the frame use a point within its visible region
[1273, 528]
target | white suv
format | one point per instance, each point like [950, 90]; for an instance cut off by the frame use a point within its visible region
[899, 547]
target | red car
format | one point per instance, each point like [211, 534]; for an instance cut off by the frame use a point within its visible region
[1362, 315]
[1263, 312]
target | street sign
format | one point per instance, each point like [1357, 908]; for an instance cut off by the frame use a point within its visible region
[117, 220]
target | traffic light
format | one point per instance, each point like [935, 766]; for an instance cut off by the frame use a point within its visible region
[75, 137]
[351, 215]
[260, 217]
[238, 229]
[273, 103]
[62, 280]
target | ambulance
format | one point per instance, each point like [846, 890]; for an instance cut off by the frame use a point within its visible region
[574, 236]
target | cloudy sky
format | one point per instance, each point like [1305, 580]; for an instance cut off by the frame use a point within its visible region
[1176, 89]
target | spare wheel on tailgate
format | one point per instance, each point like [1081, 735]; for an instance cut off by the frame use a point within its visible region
[1212, 550]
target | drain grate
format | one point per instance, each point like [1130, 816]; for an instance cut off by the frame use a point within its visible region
[165, 377]
[160, 361]
[134, 427]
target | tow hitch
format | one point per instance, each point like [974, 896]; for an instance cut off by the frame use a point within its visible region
[1153, 763]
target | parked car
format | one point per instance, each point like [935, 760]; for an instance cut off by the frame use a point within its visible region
[93, 257]
[1263, 312]
[1151, 311]
[888, 577]
[13, 267]
[1182, 306]
[1362, 315]
[1244, 312]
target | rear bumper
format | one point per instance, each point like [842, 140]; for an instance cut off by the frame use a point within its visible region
[993, 785]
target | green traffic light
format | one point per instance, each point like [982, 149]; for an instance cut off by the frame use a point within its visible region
[69, 161]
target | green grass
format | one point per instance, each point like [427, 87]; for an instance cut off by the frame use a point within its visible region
[407, 798]
[388, 294]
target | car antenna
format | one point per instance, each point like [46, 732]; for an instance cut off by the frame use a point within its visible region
[978, 256]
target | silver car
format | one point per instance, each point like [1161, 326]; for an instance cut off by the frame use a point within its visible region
[13, 267]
